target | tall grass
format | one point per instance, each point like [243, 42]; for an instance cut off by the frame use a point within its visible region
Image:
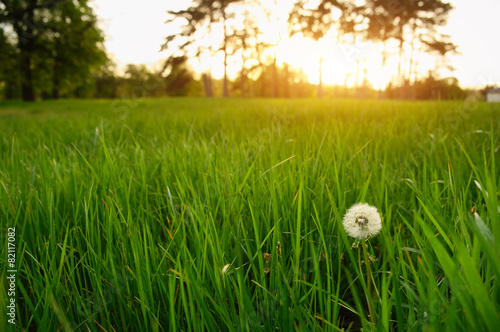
[195, 214]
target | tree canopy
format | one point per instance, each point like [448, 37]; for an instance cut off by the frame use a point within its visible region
[54, 46]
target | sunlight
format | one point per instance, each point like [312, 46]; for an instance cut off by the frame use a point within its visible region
[340, 61]
[135, 34]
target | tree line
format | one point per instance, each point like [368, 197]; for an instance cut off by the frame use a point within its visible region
[48, 48]
[54, 48]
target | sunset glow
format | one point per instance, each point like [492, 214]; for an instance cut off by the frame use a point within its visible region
[138, 40]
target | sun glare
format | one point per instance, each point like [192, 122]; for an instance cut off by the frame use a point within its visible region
[343, 61]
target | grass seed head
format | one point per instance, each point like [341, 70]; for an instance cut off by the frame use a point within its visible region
[225, 269]
[362, 221]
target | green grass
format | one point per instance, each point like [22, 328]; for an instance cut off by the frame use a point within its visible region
[128, 212]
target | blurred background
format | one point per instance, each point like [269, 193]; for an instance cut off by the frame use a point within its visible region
[375, 49]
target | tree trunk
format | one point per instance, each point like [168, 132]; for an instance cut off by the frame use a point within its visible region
[55, 92]
[242, 82]
[262, 79]
[26, 43]
[274, 83]
[411, 84]
[346, 93]
[27, 88]
[320, 82]
[210, 84]
[414, 85]
[224, 82]
[401, 78]
[204, 81]
[381, 90]
[55, 82]
[286, 81]
[251, 92]
[207, 84]
[356, 93]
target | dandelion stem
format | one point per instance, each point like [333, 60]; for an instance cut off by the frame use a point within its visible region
[369, 282]
[368, 279]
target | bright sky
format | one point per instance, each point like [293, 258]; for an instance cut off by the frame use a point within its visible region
[136, 32]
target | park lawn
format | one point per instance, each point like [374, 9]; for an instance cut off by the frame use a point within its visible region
[155, 214]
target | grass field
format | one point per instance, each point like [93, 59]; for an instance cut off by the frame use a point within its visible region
[210, 214]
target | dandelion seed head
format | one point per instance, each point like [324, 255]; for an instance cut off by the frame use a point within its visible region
[362, 221]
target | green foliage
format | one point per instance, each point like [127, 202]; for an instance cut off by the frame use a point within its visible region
[179, 78]
[199, 20]
[139, 81]
[316, 22]
[54, 48]
[211, 214]
[9, 86]
[428, 88]
[291, 83]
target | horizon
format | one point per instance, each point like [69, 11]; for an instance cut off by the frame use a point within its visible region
[474, 65]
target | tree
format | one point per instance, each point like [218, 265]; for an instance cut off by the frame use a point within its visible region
[74, 45]
[379, 27]
[106, 81]
[57, 43]
[203, 15]
[432, 88]
[221, 7]
[196, 18]
[317, 21]
[407, 21]
[273, 17]
[20, 15]
[8, 69]
[178, 77]
[139, 81]
[245, 42]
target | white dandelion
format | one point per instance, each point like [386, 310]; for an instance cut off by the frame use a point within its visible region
[362, 221]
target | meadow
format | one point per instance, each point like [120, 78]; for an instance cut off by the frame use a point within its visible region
[226, 215]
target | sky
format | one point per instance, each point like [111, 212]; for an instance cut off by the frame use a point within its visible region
[135, 33]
